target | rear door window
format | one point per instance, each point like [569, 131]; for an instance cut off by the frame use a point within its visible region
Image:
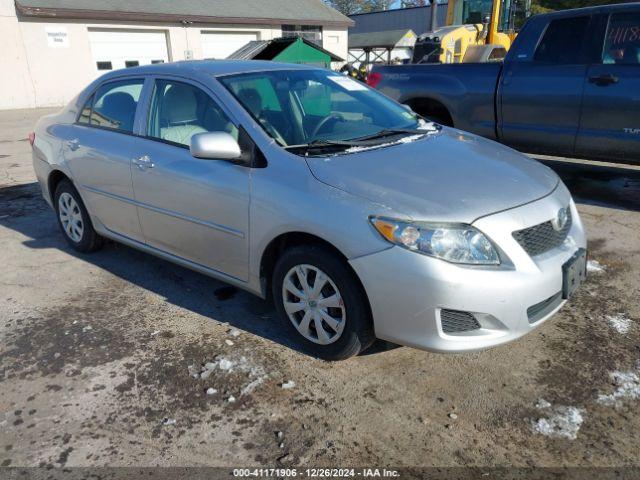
[622, 42]
[85, 114]
[563, 41]
[115, 105]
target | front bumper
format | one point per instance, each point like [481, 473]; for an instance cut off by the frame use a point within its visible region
[407, 291]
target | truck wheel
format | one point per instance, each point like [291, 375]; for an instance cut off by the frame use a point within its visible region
[74, 220]
[321, 303]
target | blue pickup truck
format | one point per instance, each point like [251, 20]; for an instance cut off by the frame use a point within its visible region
[569, 86]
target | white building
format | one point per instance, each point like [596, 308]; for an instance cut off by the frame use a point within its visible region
[51, 49]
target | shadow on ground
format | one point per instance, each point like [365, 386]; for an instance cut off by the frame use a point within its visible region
[23, 210]
[600, 185]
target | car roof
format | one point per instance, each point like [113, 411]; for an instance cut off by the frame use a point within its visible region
[616, 7]
[206, 67]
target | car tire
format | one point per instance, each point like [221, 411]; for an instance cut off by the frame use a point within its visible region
[350, 316]
[74, 220]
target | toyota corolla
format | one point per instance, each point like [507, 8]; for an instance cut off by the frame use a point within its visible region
[360, 219]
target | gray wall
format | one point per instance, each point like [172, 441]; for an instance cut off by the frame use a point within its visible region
[417, 19]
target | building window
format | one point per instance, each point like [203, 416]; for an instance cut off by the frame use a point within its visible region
[104, 65]
[313, 33]
[131, 63]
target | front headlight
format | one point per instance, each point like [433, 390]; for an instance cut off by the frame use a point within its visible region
[457, 243]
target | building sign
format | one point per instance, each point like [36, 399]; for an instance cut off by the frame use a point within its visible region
[57, 37]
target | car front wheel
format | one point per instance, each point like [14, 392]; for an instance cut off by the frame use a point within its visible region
[321, 303]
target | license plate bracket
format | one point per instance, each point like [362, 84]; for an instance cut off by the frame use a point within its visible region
[574, 273]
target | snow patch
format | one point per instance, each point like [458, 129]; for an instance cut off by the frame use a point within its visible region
[288, 385]
[409, 139]
[427, 126]
[228, 365]
[627, 388]
[251, 386]
[594, 266]
[560, 422]
[619, 322]
[542, 403]
[424, 126]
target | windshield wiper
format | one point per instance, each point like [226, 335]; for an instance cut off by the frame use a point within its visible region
[323, 144]
[388, 132]
[366, 141]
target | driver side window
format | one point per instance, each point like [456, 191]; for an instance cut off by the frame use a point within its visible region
[180, 110]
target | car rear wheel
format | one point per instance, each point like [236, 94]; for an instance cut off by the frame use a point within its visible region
[74, 220]
[321, 303]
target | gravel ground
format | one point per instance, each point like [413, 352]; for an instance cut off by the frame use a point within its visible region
[103, 359]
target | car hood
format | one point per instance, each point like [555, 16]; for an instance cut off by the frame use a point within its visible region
[445, 176]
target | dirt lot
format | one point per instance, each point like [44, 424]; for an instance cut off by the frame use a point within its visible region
[95, 357]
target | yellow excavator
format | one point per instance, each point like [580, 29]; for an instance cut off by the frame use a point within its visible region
[476, 31]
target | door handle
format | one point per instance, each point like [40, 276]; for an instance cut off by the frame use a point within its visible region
[603, 80]
[73, 145]
[143, 162]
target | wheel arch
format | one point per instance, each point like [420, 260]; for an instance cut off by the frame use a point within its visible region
[54, 179]
[431, 108]
[282, 242]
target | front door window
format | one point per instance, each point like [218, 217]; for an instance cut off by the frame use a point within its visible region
[180, 110]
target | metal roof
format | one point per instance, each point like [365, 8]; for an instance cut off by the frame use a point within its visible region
[389, 39]
[417, 19]
[250, 50]
[254, 48]
[270, 12]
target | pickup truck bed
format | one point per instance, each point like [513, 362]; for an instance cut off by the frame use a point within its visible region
[569, 86]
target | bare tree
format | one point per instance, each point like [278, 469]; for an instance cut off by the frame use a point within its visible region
[414, 3]
[375, 5]
[349, 7]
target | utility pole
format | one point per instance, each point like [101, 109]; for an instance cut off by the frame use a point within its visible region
[434, 15]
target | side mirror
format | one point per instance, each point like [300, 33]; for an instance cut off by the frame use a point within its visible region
[215, 146]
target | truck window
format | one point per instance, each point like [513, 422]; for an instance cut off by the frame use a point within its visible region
[563, 41]
[622, 42]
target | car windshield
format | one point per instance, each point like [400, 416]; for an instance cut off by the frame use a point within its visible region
[302, 107]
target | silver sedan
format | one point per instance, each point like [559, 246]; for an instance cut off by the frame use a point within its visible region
[361, 219]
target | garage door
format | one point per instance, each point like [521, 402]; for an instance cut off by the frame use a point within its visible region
[220, 45]
[115, 49]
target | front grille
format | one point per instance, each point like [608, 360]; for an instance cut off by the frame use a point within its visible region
[541, 238]
[542, 309]
[454, 321]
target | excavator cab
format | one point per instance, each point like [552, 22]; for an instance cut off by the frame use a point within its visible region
[476, 31]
